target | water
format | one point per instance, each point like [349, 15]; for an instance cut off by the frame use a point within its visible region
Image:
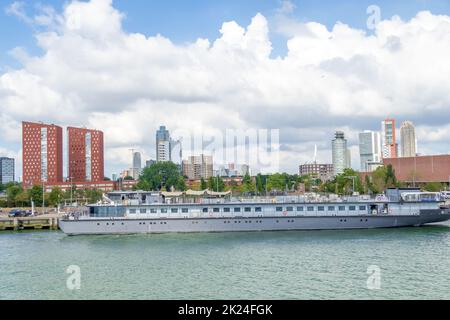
[414, 264]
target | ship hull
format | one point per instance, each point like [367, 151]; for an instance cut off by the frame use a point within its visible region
[248, 224]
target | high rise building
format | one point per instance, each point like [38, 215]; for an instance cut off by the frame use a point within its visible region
[408, 139]
[85, 155]
[163, 145]
[389, 139]
[339, 153]
[6, 170]
[136, 169]
[137, 162]
[369, 149]
[197, 167]
[42, 154]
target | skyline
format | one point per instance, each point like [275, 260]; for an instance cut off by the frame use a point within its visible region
[127, 84]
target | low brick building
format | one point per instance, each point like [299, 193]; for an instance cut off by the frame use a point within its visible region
[421, 169]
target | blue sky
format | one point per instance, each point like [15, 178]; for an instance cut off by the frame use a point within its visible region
[340, 80]
[185, 21]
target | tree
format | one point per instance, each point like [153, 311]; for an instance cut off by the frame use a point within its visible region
[22, 199]
[433, 187]
[161, 176]
[35, 194]
[11, 193]
[276, 182]
[55, 197]
[106, 179]
[260, 183]
[391, 180]
[247, 184]
[93, 195]
[128, 178]
[203, 184]
[216, 184]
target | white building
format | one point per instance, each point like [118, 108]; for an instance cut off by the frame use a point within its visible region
[163, 148]
[339, 153]
[370, 151]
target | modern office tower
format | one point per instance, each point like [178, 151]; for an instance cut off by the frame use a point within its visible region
[389, 139]
[163, 148]
[115, 176]
[137, 162]
[339, 153]
[197, 167]
[408, 139]
[6, 170]
[136, 169]
[85, 155]
[320, 171]
[42, 154]
[369, 149]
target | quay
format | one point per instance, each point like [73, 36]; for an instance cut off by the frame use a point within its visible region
[44, 222]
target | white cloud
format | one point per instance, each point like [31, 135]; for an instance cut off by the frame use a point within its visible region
[94, 73]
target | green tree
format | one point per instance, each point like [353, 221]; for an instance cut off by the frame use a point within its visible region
[260, 183]
[203, 184]
[12, 191]
[247, 184]
[433, 187]
[276, 182]
[55, 197]
[93, 195]
[128, 178]
[161, 176]
[216, 184]
[391, 180]
[22, 199]
[35, 194]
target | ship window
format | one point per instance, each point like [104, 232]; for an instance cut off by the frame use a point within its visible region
[132, 210]
[331, 208]
[216, 210]
[321, 208]
[143, 210]
[174, 210]
[237, 209]
[310, 208]
[226, 210]
[248, 209]
[205, 210]
[152, 210]
[352, 208]
[185, 210]
[299, 208]
[258, 209]
[290, 209]
[341, 208]
[362, 208]
[163, 210]
[279, 209]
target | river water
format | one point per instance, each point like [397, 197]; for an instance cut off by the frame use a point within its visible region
[411, 263]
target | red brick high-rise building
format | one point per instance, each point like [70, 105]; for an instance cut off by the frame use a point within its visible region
[85, 155]
[42, 152]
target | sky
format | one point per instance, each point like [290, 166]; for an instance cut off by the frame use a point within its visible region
[305, 67]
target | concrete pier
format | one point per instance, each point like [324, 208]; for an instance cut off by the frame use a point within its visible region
[49, 222]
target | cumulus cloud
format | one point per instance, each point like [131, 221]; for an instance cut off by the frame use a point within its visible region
[94, 73]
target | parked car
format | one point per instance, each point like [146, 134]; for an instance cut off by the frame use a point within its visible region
[15, 213]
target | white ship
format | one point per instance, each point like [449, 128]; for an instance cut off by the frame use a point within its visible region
[147, 212]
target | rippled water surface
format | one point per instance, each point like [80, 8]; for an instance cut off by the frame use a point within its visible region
[414, 263]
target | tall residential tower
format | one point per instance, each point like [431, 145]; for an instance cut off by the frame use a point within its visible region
[163, 145]
[339, 147]
[42, 153]
[408, 139]
[389, 139]
[85, 155]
